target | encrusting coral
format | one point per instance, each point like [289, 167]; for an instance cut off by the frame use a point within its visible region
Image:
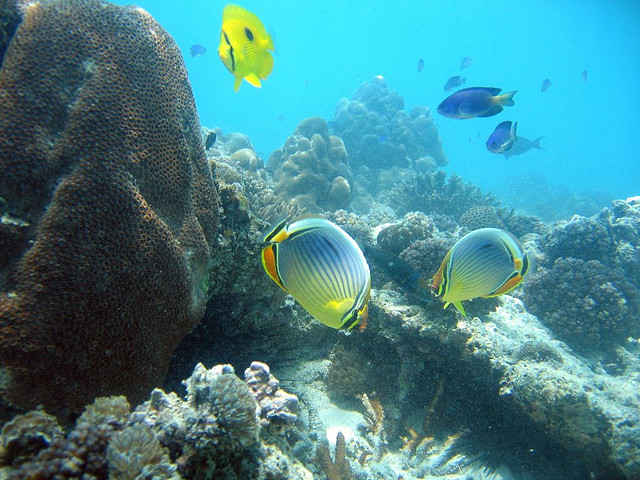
[101, 156]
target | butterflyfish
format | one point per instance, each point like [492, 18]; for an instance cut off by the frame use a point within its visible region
[475, 102]
[322, 267]
[487, 262]
[244, 46]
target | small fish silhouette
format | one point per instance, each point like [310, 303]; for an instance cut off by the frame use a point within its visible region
[545, 85]
[197, 50]
[584, 76]
[420, 65]
[466, 62]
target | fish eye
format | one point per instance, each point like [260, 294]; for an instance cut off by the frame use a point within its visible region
[249, 34]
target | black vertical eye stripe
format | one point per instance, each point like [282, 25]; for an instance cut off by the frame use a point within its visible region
[228, 42]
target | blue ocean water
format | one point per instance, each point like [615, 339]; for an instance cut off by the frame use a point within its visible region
[325, 51]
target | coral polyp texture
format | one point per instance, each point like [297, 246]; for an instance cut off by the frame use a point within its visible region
[112, 204]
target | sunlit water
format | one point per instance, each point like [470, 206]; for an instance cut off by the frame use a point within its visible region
[325, 50]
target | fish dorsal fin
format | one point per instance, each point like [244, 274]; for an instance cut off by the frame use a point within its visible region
[236, 12]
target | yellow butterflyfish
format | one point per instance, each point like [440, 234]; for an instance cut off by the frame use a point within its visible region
[322, 267]
[487, 262]
[244, 46]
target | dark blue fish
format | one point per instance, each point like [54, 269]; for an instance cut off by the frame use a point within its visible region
[197, 50]
[584, 76]
[545, 85]
[420, 65]
[503, 137]
[210, 140]
[475, 102]
[400, 271]
[466, 62]
[454, 82]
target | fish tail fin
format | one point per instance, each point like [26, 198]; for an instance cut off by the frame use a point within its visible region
[506, 99]
[536, 143]
[463, 80]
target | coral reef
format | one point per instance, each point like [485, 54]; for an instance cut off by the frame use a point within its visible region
[275, 406]
[25, 435]
[312, 168]
[481, 216]
[589, 305]
[379, 134]
[580, 237]
[101, 156]
[586, 289]
[214, 432]
[434, 193]
[415, 226]
[82, 453]
[592, 414]
[136, 453]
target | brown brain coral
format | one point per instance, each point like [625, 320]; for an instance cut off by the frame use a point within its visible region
[102, 167]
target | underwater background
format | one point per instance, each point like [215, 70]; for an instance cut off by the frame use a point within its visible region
[150, 325]
[323, 53]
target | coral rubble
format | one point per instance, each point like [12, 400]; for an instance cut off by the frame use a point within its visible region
[101, 158]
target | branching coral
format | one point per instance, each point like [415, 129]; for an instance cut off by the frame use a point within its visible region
[337, 468]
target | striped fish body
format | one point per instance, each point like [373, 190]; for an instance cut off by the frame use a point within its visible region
[322, 267]
[487, 262]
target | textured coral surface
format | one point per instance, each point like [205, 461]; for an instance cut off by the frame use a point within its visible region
[102, 166]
